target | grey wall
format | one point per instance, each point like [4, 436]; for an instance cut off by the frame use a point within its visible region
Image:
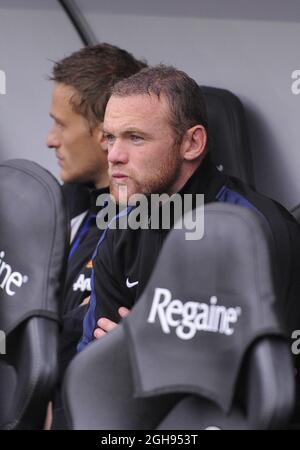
[32, 33]
[250, 48]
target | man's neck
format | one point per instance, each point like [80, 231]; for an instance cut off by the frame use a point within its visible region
[187, 171]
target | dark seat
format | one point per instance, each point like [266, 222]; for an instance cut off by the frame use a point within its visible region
[203, 347]
[228, 133]
[33, 238]
[296, 212]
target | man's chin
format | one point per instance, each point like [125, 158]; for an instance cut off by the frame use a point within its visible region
[69, 178]
[124, 195]
[65, 177]
[120, 198]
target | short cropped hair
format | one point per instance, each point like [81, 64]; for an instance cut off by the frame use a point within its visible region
[184, 96]
[92, 71]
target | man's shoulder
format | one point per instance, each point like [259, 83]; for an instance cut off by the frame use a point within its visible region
[271, 209]
[77, 198]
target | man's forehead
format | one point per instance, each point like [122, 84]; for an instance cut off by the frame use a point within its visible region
[135, 108]
[61, 103]
[61, 96]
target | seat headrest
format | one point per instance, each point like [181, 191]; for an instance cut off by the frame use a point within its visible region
[228, 134]
[296, 212]
[33, 239]
[206, 302]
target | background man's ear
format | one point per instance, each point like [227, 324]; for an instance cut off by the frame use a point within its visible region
[194, 143]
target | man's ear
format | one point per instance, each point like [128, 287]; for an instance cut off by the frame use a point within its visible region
[194, 143]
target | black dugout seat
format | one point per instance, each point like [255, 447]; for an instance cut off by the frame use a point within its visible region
[203, 347]
[33, 238]
[229, 142]
[296, 212]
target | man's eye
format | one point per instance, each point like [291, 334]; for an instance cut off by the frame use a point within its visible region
[109, 138]
[136, 138]
[59, 125]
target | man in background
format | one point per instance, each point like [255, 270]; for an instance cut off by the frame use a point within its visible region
[82, 82]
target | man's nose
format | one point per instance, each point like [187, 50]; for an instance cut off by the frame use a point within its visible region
[52, 140]
[117, 153]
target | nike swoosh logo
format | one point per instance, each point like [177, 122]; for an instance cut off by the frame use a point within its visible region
[130, 285]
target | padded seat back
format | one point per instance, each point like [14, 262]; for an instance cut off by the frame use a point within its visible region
[202, 347]
[228, 134]
[33, 243]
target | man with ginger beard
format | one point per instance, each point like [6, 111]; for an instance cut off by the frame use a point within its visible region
[156, 129]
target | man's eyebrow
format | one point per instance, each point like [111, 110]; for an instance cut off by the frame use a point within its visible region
[55, 118]
[128, 130]
[135, 130]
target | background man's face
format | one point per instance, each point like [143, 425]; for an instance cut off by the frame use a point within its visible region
[141, 152]
[79, 154]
